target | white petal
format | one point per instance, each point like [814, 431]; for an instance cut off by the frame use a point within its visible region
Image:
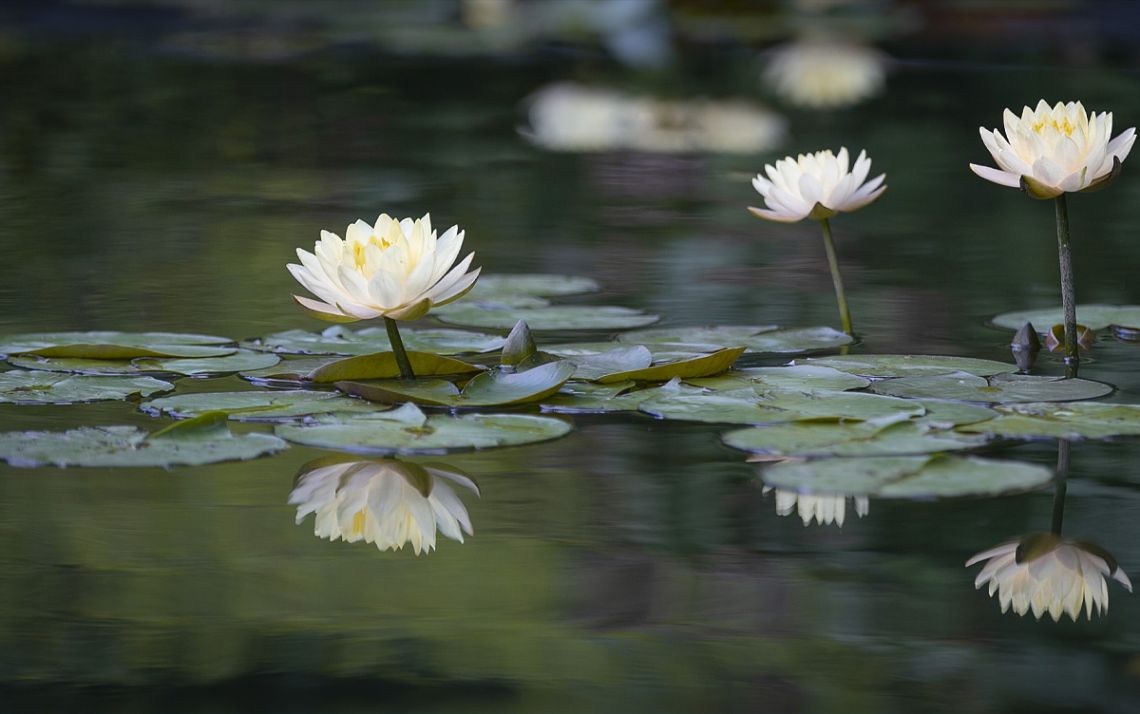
[999, 177]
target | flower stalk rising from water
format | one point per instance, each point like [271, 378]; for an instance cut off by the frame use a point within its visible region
[818, 186]
[395, 269]
[1048, 152]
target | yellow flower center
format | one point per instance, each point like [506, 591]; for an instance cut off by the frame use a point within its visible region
[358, 250]
[358, 522]
[1064, 126]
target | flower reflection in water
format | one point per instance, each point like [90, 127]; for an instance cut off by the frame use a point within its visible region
[388, 502]
[823, 509]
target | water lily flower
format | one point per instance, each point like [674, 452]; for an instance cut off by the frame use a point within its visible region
[823, 509]
[1047, 574]
[396, 269]
[825, 74]
[1049, 151]
[388, 502]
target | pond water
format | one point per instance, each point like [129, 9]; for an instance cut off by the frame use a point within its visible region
[633, 565]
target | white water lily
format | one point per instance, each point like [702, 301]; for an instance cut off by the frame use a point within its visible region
[815, 186]
[824, 73]
[1045, 573]
[385, 501]
[396, 269]
[822, 509]
[1048, 151]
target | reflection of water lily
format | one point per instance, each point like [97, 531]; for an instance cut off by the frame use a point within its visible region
[395, 269]
[1045, 573]
[388, 502]
[820, 508]
[825, 74]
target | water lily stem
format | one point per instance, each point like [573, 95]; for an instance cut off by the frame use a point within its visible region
[398, 348]
[1068, 291]
[836, 278]
[1063, 447]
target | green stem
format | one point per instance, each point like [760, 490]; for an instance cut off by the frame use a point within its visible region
[1068, 291]
[836, 278]
[1063, 447]
[398, 347]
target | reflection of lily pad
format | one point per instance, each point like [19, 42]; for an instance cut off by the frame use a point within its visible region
[1001, 388]
[908, 476]
[910, 365]
[492, 388]
[115, 345]
[197, 366]
[503, 316]
[20, 387]
[205, 440]
[538, 284]
[800, 377]
[755, 338]
[408, 431]
[780, 406]
[699, 366]
[1089, 420]
[847, 439]
[340, 340]
[1094, 317]
[243, 406]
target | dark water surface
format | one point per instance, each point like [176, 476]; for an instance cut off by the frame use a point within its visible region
[633, 565]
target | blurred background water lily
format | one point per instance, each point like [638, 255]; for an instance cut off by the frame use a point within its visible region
[388, 502]
[1044, 573]
[823, 73]
[821, 508]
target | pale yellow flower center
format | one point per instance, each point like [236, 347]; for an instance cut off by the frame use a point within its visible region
[1065, 126]
[358, 522]
[359, 248]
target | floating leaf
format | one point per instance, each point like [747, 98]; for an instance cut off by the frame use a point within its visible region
[593, 398]
[19, 387]
[909, 365]
[1088, 420]
[700, 366]
[393, 432]
[383, 366]
[599, 364]
[537, 284]
[126, 446]
[257, 405]
[195, 367]
[908, 476]
[1095, 317]
[1001, 388]
[799, 377]
[780, 406]
[847, 439]
[755, 338]
[339, 340]
[288, 370]
[944, 414]
[550, 317]
[492, 388]
[115, 345]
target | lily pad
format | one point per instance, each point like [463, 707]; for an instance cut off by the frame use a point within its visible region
[20, 387]
[910, 365]
[847, 439]
[408, 431]
[800, 377]
[280, 405]
[115, 345]
[1088, 420]
[755, 338]
[503, 315]
[491, 388]
[340, 340]
[190, 367]
[699, 366]
[204, 440]
[593, 398]
[1000, 388]
[383, 365]
[944, 414]
[536, 284]
[781, 406]
[913, 477]
[1094, 317]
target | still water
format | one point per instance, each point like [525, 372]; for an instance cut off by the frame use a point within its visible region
[633, 565]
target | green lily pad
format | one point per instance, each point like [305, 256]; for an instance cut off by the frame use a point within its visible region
[944, 414]
[491, 388]
[492, 286]
[1000, 388]
[755, 338]
[592, 366]
[913, 477]
[1094, 317]
[204, 440]
[287, 371]
[407, 430]
[693, 367]
[1087, 420]
[780, 406]
[280, 405]
[20, 387]
[593, 398]
[910, 365]
[383, 366]
[191, 367]
[847, 439]
[503, 315]
[115, 345]
[340, 340]
[799, 377]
